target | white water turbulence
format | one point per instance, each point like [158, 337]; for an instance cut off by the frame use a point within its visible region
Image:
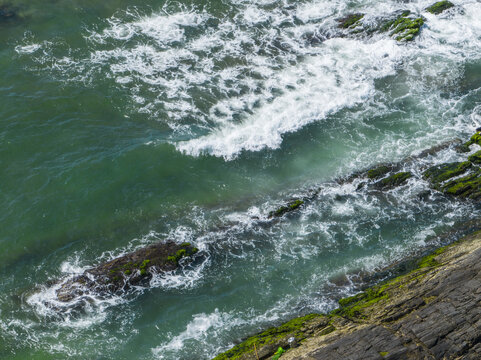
[240, 79]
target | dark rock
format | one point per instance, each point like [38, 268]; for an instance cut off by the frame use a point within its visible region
[439, 173]
[430, 313]
[7, 12]
[293, 205]
[393, 180]
[135, 268]
[378, 171]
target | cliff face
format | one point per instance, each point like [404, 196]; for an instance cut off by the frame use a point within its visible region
[433, 312]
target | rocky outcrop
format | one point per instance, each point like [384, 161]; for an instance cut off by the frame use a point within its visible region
[439, 7]
[430, 313]
[132, 269]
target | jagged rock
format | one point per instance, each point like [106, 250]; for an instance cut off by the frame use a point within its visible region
[131, 269]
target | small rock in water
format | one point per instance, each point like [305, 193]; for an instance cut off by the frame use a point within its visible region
[7, 12]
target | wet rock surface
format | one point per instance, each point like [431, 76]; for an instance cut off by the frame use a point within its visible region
[132, 269]
[431, 313]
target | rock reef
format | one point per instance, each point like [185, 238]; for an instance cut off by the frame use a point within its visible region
[132, 269]
[430, 313]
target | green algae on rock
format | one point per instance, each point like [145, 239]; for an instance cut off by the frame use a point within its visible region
[378, 172]
[404, 26]
[439, 7]
[268, 342]
[293, 205]
[131, 269]
[385, 303]
[440, 173]
[350, 21]
[394, 180]
[475, 139]
[475, 158]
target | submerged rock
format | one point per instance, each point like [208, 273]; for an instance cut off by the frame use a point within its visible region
[394, 180]
[7, 12]
[439, 7]
[131, 269]
[293, 205]
[350, 21]
[378, 171]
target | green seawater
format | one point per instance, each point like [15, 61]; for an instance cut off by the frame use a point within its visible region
[124, 123]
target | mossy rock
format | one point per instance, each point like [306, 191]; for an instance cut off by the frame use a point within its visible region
[404, 27]
[268, 342]
[440, 173]
[475, 139]
[135, 268]
[475, 158]
[350, 21]
[439, 7]
[394, 180]
[465, 187]
[293, 205]
[378, 172]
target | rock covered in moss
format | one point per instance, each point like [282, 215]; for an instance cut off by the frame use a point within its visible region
[378, 171]
[439, 7]
[350, 21]
[135, 268]
[475, 139]
[394, 180]
[267, 343]
[293, 205]
[404, 27]
[436, 175]
[429, 313]
[475, 158]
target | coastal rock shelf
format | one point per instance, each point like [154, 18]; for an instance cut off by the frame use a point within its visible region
[431, 313]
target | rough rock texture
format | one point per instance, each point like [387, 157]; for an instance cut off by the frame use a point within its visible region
[431, 313]
[131, 269]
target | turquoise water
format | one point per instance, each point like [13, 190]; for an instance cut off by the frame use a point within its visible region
[126, 123]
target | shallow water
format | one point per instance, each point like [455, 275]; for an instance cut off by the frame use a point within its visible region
[127, 122]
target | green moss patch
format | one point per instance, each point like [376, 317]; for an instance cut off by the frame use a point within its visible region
[440, 173]
[269, 341]
[404, 27]
[352, 307]
[293, 205]
[350, 21]
[475, 158]
[378, 172]
[475, 139]
[439, 7]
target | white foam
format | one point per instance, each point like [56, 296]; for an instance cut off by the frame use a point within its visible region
[342, 76]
